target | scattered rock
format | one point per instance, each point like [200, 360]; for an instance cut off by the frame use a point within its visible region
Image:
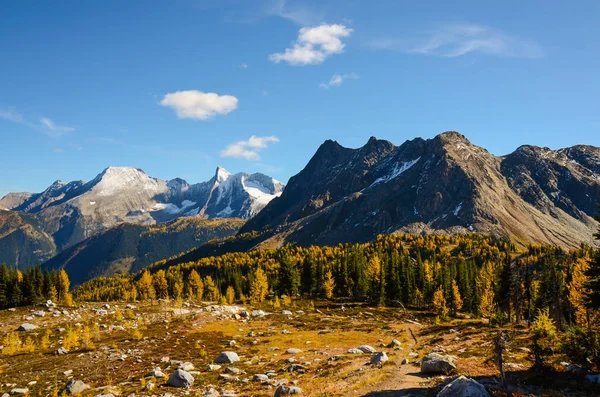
[435, 363]
[19, 390]
[27, 327]
[227, 358]
[211, 393]
[187, 366]
[180, 379]
[286, 312]
[293, 350]
[260, 378]
[156, 372]
[212, 367]
[379, 358]
[287, 391]
[395, 343]
[367, 349]
[76, 387]
[463, 387]
[258, 313]
[355, 351]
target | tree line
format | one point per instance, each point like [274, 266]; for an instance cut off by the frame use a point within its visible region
[33, 286]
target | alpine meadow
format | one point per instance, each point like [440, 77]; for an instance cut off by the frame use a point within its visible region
[413, 207]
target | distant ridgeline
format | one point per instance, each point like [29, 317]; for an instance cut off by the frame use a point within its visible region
[468, 273]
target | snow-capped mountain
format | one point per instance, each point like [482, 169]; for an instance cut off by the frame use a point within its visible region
[73, 211]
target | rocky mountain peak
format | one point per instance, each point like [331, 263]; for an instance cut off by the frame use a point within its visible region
[221, 174]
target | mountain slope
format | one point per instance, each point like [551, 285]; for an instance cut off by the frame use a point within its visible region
[130, 247]
[23, 241]
[444, 184]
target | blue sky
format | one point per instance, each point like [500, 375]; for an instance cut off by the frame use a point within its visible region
[179, 87]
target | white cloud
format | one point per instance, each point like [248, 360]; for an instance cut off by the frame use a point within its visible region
[44, 124]
[244, 66]
[457, 40]
[199, 105]
[314, 45]
[337, 80]
[298, 15]
[248, 149]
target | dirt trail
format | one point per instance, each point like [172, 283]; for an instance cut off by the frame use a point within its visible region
[403, 380]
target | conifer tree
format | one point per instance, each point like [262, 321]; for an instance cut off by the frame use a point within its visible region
[63, 285]
[439, 303]
[160, 284]
[145, 287]
[196, 285]
[456, 302]
[260, 286]
[593, 274]
[328, 285]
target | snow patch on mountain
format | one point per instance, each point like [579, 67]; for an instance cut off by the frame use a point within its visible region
[396, 171]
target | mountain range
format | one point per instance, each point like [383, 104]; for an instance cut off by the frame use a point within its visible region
[116, 223]
[44, 224]
[440, 185]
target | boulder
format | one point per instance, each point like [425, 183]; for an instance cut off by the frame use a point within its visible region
[19, 390]
[287, 391]
[367, 349]
[212, 367]
[258, 313]
[227, 358]
[211, 393]
[61, 351]
[260, 378]
[379, 358]
[395, 343]
[293, 350]
[463, 387]
[286, 312]
[180, 379]
[76, 387]
[355, 351]
[26, 327]
[435, 363]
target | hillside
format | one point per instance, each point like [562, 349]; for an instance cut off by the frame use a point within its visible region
[23, 241]
[128, 247]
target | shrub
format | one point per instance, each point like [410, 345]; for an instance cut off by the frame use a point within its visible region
[582, 346]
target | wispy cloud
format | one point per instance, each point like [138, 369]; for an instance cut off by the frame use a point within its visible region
[199, 105]
[314, 45]
[43, 124]
[456, 40]
[300, 15]
[243, 66]
[248, 149]
[337, 80]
